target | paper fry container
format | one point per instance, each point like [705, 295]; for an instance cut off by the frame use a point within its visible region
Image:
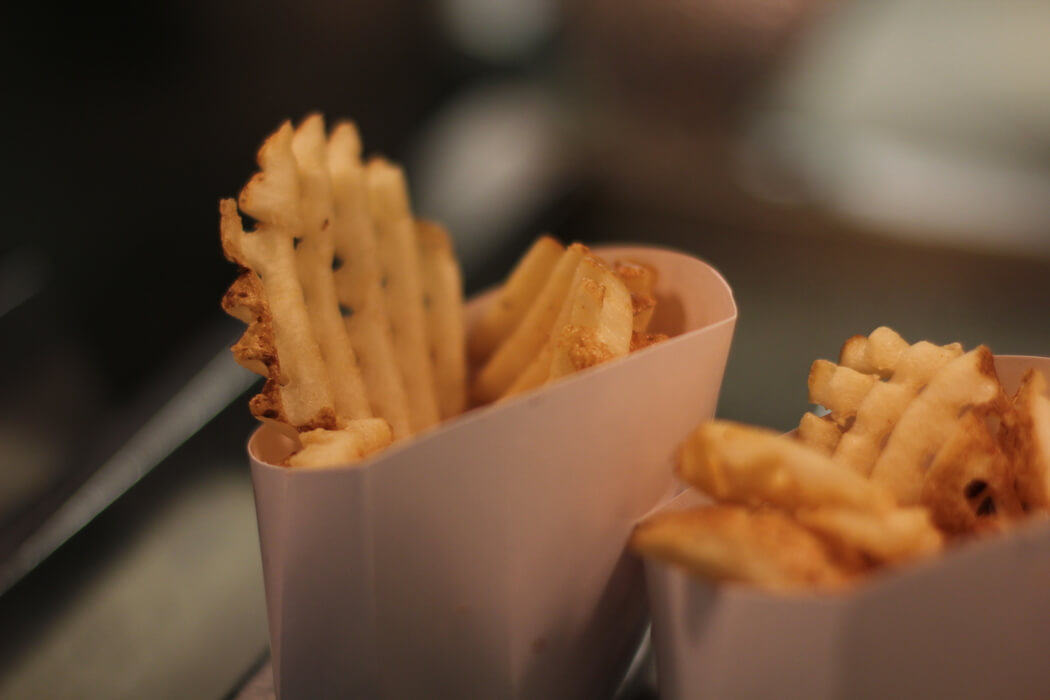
[485, 558]
[973, 622]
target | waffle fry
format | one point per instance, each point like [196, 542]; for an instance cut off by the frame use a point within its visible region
[1026, 441]
[269, 297]
[599, 326]
[763, 548]
[920, 446]
[967, 382]
[332, 289]
[514, 298]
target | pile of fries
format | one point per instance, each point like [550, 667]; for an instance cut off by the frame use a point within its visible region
[920, 445]
[354, 308]
[561, 310]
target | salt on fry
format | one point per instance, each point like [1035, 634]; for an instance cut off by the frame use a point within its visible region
[514, 298]
[967, 382]
[268, 294]
[529, 337]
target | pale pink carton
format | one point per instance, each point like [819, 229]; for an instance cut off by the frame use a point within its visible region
[972, 623]
[485, 558]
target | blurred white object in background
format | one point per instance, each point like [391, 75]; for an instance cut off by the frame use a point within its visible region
[927, 118]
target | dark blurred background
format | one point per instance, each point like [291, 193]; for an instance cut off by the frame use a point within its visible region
[845, 164]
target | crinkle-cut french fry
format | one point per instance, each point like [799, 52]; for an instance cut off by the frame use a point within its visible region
[402, 283]
[314, 254]
[514, 298]
[521, 347]
[357, 278]
[743, 464]
[331, 448]
[269, 295]
[443, 303]
[891, 537]
[764, 548]
[819, 432]
[968, 381]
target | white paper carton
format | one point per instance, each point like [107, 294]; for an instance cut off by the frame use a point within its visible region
[972, 623]
[485, 558]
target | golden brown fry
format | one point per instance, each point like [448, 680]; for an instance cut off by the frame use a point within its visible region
[969, 381]
[520, 349]
[820, 433]
[881, 408]
[765, 548]
[838, 389]
[743, 464]
[314, 254]
[357, 278]
[539, 370]
[640, 341]
[583, 301]
[268, 294]
[402, 285]
[640, 280]
[514, 298]
[1026, 439]
[969, 486]
[890, 537]
[331, 448]
[443, 303]
[599, 325]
